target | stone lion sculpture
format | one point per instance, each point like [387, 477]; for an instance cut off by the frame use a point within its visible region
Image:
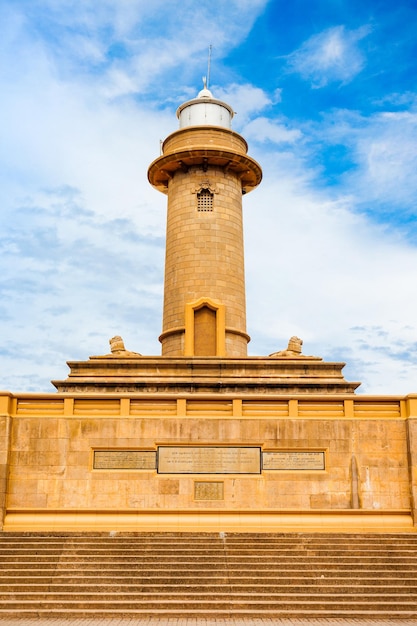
[118, 349]
[293, 350]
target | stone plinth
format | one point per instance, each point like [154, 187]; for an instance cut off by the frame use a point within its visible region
[260, 375]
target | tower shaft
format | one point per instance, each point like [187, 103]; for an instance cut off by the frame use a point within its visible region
[204, 266]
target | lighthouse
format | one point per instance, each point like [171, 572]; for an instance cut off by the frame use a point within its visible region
[204, 169]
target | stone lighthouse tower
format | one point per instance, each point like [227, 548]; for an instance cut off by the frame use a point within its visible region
[204, 169]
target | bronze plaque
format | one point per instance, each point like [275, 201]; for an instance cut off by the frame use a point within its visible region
[208, 490]
[293, 460]
[209, 460]
[124, 459]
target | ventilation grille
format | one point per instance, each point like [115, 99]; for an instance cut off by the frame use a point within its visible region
[205, 200]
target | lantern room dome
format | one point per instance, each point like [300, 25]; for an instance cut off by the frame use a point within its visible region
[205, 111]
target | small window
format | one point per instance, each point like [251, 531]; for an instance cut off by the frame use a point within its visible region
[205, 200]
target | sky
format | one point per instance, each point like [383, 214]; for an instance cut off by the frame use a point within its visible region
[325, 93]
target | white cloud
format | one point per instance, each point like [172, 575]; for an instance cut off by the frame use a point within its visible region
[277, 96]
[263, 129]
[246, 100]
[332, 55]
[406, 98]
[387, 152]
[383, 151]
[129, 47]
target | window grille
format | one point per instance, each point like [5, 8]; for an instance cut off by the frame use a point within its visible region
[205, 200]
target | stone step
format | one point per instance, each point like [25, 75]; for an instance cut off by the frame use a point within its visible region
[230, 604]
[159, 571]
[80, 581]
[232, 577]
[178, 560]
[187, 596]
[232, 538]
[400, 585]
[323, 538]
[233, 559]
[187, 548]
[9, 590]
[219, 551]
[185, 613]
[193, 570]
[68, 614]
[263, 540]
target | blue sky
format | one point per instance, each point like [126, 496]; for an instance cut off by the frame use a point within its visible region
[325, 94]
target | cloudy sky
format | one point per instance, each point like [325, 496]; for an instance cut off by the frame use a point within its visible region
[324, 91]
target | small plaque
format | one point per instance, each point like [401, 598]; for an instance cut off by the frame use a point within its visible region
[208, 491]
[209, 460]
[296, 460]
[124, 459]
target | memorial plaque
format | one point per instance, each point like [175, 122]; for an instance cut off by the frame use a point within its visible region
[124, 459]
[209, 460]
[208, 491]
[296, 460]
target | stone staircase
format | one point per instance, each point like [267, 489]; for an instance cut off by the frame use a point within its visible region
[210, 575]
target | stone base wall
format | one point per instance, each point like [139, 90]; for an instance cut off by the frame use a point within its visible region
[128, 455]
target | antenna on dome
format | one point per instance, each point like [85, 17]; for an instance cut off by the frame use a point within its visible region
[208, 67]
